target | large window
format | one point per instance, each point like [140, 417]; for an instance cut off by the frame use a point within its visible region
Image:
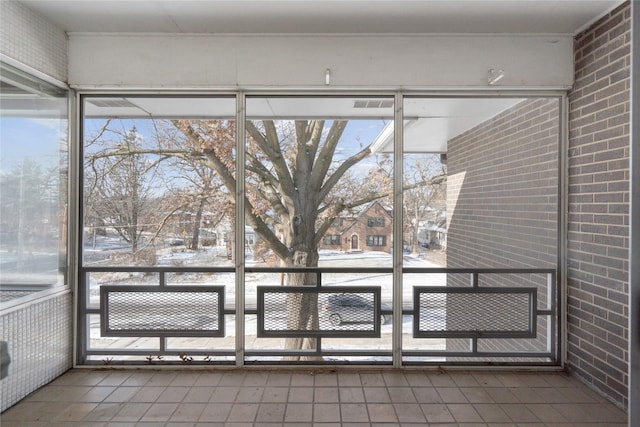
[253, 229]
[33, 184]
[158, 185]
[157, 182]
[489, 199]
[314, 177]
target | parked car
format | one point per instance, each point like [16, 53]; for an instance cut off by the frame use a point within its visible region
[176, 242]
[352, 308]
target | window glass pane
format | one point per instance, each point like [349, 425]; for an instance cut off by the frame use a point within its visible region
[481, 191]
[33, 184]
[158, 179]
[157, 186]
[319, 194]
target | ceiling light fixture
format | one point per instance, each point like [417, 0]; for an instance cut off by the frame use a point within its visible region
[327, 76]
[494, 76]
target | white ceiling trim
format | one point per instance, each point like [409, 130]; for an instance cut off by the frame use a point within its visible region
[323, 16]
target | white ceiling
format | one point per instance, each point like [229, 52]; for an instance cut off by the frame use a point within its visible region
[431, 122]
[323, 16]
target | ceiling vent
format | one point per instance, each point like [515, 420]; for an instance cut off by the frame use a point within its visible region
[373, 103]
[112, 103]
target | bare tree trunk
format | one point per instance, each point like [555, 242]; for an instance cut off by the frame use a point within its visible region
[196, 225]
[302, 308]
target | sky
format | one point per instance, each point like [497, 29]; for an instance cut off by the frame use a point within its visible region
[37, 139]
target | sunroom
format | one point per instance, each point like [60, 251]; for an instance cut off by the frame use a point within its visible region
[168, 186]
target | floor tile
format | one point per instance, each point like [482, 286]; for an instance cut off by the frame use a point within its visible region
[501, 395]
[279, 379]
[418, 379]
[519, 413]
[326, 412]
[372, 379]
[275, 394]
[243, 412]
[326, 395]
[233, 378]
[298, 413]
[224, 394]
[437, 413]
[326, 380]
[75, 412]
[148, 394]
[160, 412]
[451, 395]
[104, 412]
[215, 412]
[119, 394]
[395, 379]
[427, 395]
[464, 413]
[249, 394]
[131, 412]
[315, 398]
[409, 413]
[376, 395]
[402, 395]
[441, 380]
[302, 379]
[492, 413]
[381, 413]
[349, 379]
[547, 413]
[198, 395]
[354, 412]
[173, 394]
[271, 412]
[476, 395]
[188, 412]
[300, 394]
[351, 394]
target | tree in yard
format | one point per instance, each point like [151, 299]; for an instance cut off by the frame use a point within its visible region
[423, 202]
[297, 182]
[120, 187]
[295, 188]
[28, 214]
[202, 190]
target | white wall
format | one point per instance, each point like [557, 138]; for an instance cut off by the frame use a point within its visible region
[39, 333]
[279, 61]
[32, 40]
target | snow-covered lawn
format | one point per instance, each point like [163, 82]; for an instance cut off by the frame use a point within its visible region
[217, 256]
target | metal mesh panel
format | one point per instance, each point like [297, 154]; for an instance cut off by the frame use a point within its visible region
[146, 311]
[326, 312]
[9, 295]
[475, 312]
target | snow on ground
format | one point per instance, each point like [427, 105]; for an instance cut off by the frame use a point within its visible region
[253, 280]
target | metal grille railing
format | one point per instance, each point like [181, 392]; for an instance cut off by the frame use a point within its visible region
[300, 311]
[167, 311]
[508, 316]
[474, 312]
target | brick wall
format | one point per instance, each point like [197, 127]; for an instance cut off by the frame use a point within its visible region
[502, 192]
[31, 40]
[502, 206]
[598, 247]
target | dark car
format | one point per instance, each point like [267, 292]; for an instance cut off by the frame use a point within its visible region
[352, 308]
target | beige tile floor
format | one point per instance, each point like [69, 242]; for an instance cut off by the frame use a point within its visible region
[345, 397]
